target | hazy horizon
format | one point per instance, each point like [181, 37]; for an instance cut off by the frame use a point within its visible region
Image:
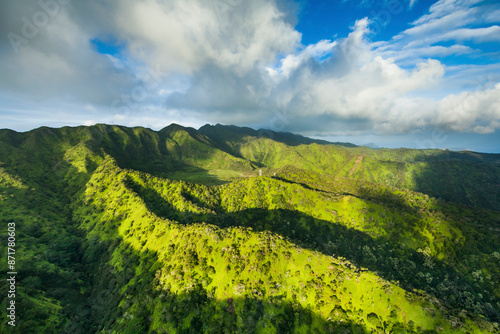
[424, 141]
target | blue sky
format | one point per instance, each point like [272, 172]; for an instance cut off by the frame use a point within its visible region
[409, 73]
[327, 19]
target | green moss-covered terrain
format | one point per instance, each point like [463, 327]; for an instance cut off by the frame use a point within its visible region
[233, 230]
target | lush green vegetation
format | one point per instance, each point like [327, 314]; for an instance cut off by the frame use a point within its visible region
[128, 230]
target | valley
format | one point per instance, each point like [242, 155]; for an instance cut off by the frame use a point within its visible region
[130, 230]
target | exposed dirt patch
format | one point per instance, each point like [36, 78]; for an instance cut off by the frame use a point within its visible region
[358, 160]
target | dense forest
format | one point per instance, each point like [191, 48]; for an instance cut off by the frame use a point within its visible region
[233, 230]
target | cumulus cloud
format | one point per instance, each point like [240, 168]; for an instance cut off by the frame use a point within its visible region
[242, 62]
[344, 86]
[293, 61]
[358, 84]
[171, 38]
[354, 89]
[186, 35]
[477, 111]
[53, 59]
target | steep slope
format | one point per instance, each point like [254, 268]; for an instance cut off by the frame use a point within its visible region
[464, 177]
[195, 149]
[431, 240]
[233, 274]
[227, 135]
[109, 242]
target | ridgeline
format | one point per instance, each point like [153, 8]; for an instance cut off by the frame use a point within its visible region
[233, 230]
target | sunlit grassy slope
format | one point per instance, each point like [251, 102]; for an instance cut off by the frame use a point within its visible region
[128, 230]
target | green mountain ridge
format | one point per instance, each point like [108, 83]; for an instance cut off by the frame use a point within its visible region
[235, 230]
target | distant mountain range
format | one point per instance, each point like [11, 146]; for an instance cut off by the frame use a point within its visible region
[228, 229]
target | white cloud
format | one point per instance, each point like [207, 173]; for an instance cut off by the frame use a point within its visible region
[293, 61]
[443, 8]
[186, 35]
[492, 15]
[454, 20]
[451, 27]
[58, 63]
[479, 34]
[477, 111]
[173, 38]
[243, 63]
[368, 87]
[357, 86]
[412, 55]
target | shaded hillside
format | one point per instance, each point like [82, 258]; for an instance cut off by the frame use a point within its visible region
[226, 152]
[330, 239]
[228, 135]
[469, 178]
